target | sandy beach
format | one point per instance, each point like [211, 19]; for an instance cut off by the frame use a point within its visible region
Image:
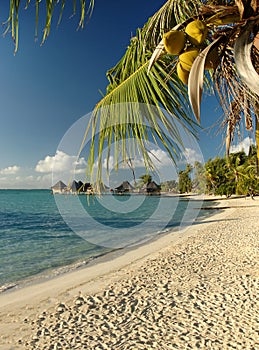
[197, 289]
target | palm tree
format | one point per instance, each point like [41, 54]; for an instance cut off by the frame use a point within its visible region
[233, 175]
[147, 74]
[236, 169]
[145, 179]
[248, 182]
[145, 95]
[184, 181]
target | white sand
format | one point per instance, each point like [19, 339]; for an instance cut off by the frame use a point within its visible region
[196, 290]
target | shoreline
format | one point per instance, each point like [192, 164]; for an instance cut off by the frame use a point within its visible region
[29, 302]
[82, 263]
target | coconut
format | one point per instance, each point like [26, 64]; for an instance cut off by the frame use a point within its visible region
[174, 41]
[197, 32]
[183, 74]
[187, 58]
[212, 59]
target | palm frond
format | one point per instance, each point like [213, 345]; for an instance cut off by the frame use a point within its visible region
[170, 14]
[196, 78]
[12, 22]
[247, 8]
[231, 85]
[238, 68]
[132, 112]
[129, 82]
[141, 107]
[242, 54]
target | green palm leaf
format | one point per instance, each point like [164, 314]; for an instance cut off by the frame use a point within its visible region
[12, 22]
[130, 83]
[173, 12]
[141, 107]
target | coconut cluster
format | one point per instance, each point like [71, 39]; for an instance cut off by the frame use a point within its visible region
[187, 45]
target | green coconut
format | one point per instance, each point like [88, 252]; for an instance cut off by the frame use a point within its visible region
[183, 74]
[174, 42]
[187, 58]
[197, 32]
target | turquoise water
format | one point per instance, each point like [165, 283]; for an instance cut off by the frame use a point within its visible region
[34, 238]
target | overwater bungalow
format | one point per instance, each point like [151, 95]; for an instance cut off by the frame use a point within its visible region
[83, 186]
[80, 187]
[73, 188]
[151, 188]
[125, 187]
[59, 187]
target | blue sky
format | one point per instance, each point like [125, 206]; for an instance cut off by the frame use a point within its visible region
[45, 89]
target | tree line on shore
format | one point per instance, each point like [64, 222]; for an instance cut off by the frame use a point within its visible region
[233, 175]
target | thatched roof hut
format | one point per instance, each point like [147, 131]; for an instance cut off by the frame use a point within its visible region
[125, 187]
[59, 187]
[84, 187]
[151, 188]
[73, 188]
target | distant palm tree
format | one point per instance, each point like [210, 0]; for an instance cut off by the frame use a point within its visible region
[145, 179]
[233, 175]
[243, 169]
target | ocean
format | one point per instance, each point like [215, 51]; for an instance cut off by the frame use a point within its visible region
[42, 235]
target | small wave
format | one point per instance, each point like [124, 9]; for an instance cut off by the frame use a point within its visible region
[7, 287]
[163, 231]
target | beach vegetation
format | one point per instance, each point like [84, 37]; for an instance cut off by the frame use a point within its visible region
[223, 176]
[185, 182]
[146, 178]
[236, 174]
[169, 186]
[199, 178]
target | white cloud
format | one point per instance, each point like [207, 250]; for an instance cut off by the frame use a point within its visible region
[110, 163]
[42, 181]
[26, 180]
[11, 170]
[242, 146]
[192, 156]
[15, 177]
[80, 171]
[160, 158]
[61, 162]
